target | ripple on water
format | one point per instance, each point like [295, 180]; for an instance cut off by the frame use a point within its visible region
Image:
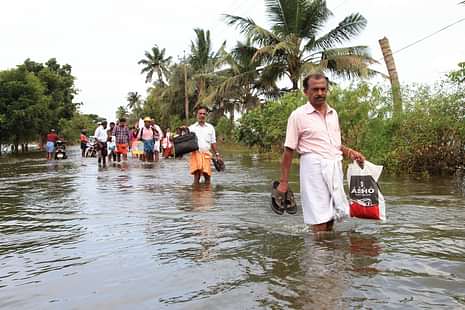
[141, 236]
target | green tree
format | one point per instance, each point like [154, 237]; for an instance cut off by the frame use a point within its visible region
[293, 48]
[204, 62]
[24, 107]
[458, 76]
[155, 62]
[133, 99]
[121, 112]
[71, 128]
[241, 85]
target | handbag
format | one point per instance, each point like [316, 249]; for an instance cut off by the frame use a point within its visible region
[185, 144]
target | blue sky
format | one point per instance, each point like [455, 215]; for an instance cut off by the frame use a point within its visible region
[104, 39]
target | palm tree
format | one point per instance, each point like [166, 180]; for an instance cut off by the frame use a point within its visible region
[241, 83]
[202, 55]
[293, 48]
[155, 63]
[121, 112]
[204, 61]
[133, 99]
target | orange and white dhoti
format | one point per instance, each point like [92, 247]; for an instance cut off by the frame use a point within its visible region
[200, 161]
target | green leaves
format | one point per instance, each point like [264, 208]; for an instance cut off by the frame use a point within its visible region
[155, 62]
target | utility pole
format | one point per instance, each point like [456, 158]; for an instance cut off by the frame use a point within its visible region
[393, 76]
[186, 99]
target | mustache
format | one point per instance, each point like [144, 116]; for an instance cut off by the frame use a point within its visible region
[320, 97]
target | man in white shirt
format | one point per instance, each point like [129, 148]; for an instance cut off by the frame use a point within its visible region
[159, 137]
[200, 161]
[101, 137]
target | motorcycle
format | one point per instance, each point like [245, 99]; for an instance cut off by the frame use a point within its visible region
[91, 150]
[60, 150]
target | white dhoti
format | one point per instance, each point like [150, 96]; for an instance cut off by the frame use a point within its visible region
[322, 189]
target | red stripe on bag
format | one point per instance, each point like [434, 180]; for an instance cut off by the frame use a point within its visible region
[364, 212]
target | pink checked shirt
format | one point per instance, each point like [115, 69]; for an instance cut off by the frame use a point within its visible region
[308, 131]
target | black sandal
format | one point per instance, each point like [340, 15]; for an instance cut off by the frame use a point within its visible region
[291, 206]
[278, 200]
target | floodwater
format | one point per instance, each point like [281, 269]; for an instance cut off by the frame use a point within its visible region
[142, 237]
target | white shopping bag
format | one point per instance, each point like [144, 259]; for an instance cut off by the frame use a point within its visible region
[366, 199]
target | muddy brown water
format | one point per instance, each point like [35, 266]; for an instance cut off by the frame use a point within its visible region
[142, 237]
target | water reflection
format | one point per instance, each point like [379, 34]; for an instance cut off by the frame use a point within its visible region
[141, 236]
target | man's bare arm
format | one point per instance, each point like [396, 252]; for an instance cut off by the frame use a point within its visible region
[285, 167]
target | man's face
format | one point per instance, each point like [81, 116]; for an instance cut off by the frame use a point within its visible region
[104, 125]
[112, 126]
[317, 91]
[147, 124]
[122, 124]
[202, 115]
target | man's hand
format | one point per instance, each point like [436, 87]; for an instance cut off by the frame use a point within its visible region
[283, 187]
[358, 157]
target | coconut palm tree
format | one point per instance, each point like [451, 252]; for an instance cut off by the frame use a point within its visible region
[241, 83]
[133, 99]
[204, 61]
[294, 47]
[121, 112]
[155, 63]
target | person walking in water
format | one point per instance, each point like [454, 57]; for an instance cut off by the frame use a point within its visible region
[84, 141]
[111, 144]
[148, 136]
[123, 138]
[167, 144]
[158, 137]
[200, 161]
[101, 136]
[52, 138]
[313, 131]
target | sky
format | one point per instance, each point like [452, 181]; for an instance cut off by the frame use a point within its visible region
[104, 39]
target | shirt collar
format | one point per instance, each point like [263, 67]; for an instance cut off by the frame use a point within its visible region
[309, 109]
[198, 124]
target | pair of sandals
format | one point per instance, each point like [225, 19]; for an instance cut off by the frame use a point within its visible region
[219, 164]
[282, 202]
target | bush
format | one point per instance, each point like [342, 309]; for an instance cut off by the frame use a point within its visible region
[427, 138]
[265, 126]
[225, 129]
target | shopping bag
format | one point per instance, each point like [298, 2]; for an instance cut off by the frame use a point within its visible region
[366, 199]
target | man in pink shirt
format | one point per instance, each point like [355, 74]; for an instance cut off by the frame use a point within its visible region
[313, 131]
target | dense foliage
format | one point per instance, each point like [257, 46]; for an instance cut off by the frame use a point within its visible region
[428, 137]
[35, 97]
[234, 80]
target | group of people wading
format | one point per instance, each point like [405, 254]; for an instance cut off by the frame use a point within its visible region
[312, 131]
[114, 143]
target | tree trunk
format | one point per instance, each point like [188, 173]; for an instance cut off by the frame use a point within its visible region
[186, 99]
[393, 76]
[295, 84]
[16, 148]
[27, 147]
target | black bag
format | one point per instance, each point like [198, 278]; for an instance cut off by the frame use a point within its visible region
[185, 144]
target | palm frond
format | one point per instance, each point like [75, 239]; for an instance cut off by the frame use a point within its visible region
[347, 29]
[348, 62]
[251, 30]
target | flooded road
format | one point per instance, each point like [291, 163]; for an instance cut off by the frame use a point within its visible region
[142, 237]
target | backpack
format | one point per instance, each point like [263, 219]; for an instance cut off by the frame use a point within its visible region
[156, 135]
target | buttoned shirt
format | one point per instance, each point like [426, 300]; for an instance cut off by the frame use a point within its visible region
[101, 134]
[309, 131]
[121, 134]
[205, 135]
